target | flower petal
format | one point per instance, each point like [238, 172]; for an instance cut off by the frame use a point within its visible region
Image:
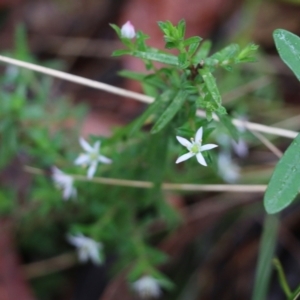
[83, 255]
[201, 159]
[127, 30]
[82, 159]
[85, 145]
[208, 147]
[94, 254]
[184, 157]
[75, 240]
[104, 159]
[96, 146]
[199, 134]
[92, 169]
[184, 142]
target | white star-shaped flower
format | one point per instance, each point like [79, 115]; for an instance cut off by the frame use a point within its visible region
[91, 158]
[147, 287]
[128, 31]
[64, 182]
[87, 248]
[195, 147]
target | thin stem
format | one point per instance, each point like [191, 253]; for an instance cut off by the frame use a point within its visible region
[281, 277]
[256, 127]
[139, 97]
[245, 89]
[268, 144]
[51, 265]
[266, 252]
[255, 188]
[78, 79]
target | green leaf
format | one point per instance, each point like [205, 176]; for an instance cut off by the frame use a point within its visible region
[284, 184]
[170, 112]
[21, 45]
[246, 55]
[181, 29]
[192, 40]
[153, 107]
[170, 45]
[227, 122]
[202, 52]
[182, 59]
[116, 29]
[141, 41]
[266, 252]
[288, 47]
[132, 75]
[228, 52]
[296, 294]
[121, 52]
[211, 85]
[164, 27]
[157, 56]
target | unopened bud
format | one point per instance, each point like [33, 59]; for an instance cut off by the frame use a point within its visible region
[128, 31]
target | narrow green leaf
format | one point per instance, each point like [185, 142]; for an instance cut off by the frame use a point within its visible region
[170, 112]
[21, 45]
[170, 45]
[157, 56]
[193, 48]
[202, 52]
[164, 27]
[288, 47]
[121, 52]
[282, 278]
[192, 40]
[296, 294]
[284, 184]
[266, 252]
[227, 122]
[116, 29]
[211, 85]
[228, 52]
[182, 59]
[132, 75]
[181, 28]
[155, 106]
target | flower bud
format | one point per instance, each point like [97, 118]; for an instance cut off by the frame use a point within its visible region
[127, 30]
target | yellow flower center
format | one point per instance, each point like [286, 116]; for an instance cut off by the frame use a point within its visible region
[195, 148]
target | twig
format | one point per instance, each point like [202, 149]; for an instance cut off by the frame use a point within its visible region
[245, 188]
[268, 144]
[48, 266]
[245, 89]
[256, 127]
[78, 79]
[137, 96]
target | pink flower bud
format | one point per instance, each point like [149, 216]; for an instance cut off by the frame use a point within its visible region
[127, 30]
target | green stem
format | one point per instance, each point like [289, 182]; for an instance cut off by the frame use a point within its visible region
[281, 277]
[266, 252]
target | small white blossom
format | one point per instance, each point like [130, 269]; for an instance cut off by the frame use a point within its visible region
[195, 148]
[228, 170]
[91, 158]
[147, 287]
[128, 31]
[64, 182]
[87, 248]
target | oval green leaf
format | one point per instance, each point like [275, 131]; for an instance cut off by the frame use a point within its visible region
[284, 184]
[288, 47]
